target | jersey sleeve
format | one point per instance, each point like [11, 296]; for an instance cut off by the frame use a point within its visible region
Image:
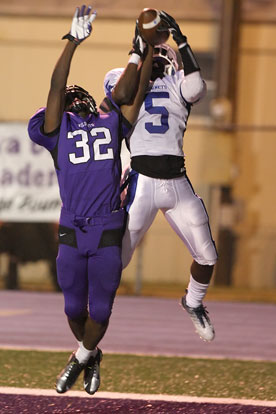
[192, 88]
[36, 133]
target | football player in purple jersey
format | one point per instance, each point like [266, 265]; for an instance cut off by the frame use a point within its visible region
[85, 145]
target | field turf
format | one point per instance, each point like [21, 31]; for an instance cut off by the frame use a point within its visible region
[222, 378]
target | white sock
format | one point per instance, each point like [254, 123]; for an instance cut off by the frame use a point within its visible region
[83, 354]
[196, 293]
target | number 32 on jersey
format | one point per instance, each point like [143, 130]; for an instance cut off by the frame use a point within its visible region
[103, 137]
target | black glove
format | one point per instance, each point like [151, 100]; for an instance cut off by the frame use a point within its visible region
[138, 45]
[174, 29]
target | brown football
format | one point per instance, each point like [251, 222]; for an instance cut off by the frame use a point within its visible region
[152, 29]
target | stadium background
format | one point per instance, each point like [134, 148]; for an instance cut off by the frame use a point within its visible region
[229, 145]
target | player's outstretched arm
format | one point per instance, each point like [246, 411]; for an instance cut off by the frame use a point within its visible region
[131, 112]
[188, 58]
[126, 87]
[194, 87]
[81, 28]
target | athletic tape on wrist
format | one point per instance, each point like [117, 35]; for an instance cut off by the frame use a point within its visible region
[134, 58]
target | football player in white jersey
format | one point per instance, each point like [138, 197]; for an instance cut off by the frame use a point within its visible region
[158, 179]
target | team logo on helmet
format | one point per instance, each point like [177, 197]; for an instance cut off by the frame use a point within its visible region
[78, 100]
[111, 79]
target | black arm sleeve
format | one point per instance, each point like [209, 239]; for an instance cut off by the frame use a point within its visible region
[188, 58]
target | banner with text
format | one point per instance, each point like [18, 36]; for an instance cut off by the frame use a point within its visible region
[28, 184]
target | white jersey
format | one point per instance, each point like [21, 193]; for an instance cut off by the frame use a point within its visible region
[159, 132]
[162, 119]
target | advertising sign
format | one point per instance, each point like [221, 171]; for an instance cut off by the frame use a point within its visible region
[28, 183]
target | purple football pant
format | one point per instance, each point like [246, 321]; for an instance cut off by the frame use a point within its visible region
[89, 263]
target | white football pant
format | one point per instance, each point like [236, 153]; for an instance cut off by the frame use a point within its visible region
[182, 208]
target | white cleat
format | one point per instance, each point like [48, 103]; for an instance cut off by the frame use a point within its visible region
[201, 320]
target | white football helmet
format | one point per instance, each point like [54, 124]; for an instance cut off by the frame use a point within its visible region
[111, 79]
[165, 55]
[164, 63]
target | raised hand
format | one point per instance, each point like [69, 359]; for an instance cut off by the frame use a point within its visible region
[174, 29]
[138, 45]
[81, 26]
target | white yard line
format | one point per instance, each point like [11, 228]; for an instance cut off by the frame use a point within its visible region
[152, 397]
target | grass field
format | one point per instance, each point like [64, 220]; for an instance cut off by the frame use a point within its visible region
[148, 375]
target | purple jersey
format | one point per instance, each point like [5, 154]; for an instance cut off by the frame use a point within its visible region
[86, 153]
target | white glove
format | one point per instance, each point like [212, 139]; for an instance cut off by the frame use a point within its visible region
[81, 27]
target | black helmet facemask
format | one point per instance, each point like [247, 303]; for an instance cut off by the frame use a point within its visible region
[78, 100]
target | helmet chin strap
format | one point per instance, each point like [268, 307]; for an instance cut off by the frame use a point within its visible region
[169, 70]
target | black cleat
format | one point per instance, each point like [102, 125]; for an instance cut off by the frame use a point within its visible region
[91, 378]
[69, 374]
